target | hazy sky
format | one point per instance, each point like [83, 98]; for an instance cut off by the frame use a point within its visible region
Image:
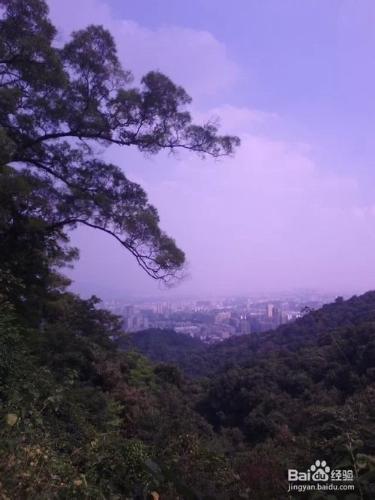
[296, 81]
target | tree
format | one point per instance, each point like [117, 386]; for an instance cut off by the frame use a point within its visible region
[58, 104]
[30, 251]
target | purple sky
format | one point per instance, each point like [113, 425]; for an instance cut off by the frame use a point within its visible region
[296, 81]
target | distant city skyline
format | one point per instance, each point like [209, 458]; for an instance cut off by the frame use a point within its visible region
[295, 80]
[215, 319]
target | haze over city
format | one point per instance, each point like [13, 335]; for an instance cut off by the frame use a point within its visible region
[295, 207]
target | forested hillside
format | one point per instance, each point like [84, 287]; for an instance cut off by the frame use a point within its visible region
[80, 418]
[306, 389]
[169, 346]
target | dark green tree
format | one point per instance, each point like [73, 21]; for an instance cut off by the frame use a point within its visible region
[31, 251]
[59, 104]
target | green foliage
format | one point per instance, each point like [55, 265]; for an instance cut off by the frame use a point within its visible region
[78, 419]
[167, 346]
[285, 397]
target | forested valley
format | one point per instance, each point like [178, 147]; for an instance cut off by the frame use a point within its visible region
[89, 411]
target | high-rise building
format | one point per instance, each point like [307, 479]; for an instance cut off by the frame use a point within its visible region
[270, 308]
[244, 325]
